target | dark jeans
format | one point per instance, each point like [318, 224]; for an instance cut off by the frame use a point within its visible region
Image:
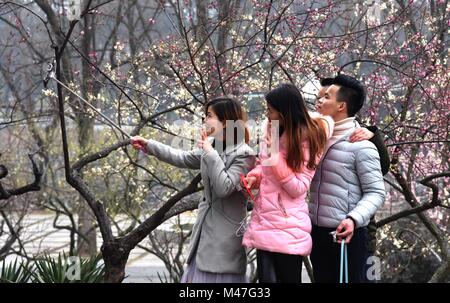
[325, 256]
[276, 267]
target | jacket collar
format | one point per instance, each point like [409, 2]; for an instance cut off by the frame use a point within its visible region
[234, 148]
[230, 149]
[347, 134]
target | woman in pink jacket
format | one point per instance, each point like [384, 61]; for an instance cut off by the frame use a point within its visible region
[280, 227]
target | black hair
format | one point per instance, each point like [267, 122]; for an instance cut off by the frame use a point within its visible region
[229, 109]
[326, 81]
[288, 102]
[351, 91]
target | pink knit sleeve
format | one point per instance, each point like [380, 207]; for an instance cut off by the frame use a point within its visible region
[325, 120]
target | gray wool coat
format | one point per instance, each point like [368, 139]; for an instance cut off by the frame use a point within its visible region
[214, 242]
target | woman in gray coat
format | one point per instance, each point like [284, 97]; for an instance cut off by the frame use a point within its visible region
[216, 253]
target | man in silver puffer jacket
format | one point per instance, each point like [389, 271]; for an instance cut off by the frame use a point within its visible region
[347, 188]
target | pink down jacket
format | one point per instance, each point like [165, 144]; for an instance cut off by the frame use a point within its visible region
[280, 220]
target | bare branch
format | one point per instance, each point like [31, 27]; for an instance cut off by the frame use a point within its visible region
[34, 186]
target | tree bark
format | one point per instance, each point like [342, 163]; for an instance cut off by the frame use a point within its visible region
[87, 243]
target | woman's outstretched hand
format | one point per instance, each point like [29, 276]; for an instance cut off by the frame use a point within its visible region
[139, 143]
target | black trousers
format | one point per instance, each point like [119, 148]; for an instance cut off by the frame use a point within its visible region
[325, 256]
[278, 268]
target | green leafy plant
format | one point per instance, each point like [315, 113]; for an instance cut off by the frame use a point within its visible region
[63, 269]
[51, 270]
[15, 272]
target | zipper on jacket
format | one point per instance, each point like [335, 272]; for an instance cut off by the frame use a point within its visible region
[318, 194]
[320, 182]
[283, 209]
